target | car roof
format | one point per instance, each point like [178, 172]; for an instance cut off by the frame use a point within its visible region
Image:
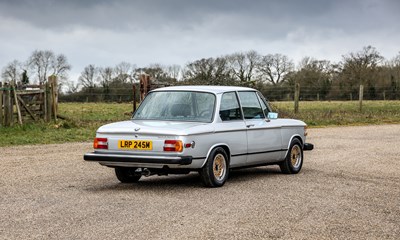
[205, 88]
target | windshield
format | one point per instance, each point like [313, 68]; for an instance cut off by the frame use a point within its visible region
[177, 106]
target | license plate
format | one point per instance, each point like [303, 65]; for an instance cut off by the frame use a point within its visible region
[135, 144]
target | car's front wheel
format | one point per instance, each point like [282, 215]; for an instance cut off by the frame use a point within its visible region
[127, 175]
[216, 170]
[294, 159]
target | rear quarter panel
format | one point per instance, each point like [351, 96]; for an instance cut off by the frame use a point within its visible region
[290, 129]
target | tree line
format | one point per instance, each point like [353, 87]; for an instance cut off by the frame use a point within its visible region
[273, 74]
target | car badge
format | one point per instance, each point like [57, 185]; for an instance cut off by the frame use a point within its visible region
[137, 129]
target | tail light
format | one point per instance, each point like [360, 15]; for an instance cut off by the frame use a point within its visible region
[305, 131]
[173, 146]
[100, 143]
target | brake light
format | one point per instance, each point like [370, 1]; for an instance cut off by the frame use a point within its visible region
[173, 146]
[100, 143]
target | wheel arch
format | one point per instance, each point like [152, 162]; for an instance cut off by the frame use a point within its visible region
[298, 137]
[223, 146]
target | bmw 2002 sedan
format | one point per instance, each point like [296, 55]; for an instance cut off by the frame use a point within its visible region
[209, 129]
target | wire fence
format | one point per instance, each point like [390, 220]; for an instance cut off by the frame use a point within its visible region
[280, 93]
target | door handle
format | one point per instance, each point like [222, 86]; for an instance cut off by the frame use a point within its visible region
[250, 125]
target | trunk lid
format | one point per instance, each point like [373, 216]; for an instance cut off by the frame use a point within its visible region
[123, 136]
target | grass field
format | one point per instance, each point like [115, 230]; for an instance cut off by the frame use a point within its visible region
[339, 113]
[82, 119]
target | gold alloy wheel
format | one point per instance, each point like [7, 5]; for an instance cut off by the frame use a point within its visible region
[219, 166]
[295, 157]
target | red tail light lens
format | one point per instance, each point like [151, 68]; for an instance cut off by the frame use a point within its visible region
[173, 146]
[100, 143]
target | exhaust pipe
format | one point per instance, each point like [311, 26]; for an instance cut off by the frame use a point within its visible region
[146, 172]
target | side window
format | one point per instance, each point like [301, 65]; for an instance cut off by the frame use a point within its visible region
[229, 109]
[251, 105]
[264, 105]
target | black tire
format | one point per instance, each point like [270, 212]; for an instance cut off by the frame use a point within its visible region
[216, 170]
[294, 158]
[127, 175]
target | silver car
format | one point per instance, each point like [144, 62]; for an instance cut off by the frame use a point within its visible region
[209, 129]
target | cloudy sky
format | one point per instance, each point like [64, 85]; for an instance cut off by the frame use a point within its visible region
[143, 32]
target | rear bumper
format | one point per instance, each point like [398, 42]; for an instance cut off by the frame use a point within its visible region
[308, 146]
[124, 158]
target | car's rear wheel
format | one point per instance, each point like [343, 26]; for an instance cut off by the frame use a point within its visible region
[216, 170]
[127, 175]
[294, 159]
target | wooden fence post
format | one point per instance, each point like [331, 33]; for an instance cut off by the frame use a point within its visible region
[296, 97]
[361, 96]
[53, 86]
[43, 103]
[7, 107]
[14, 89]
[48, 102]
[1, 104]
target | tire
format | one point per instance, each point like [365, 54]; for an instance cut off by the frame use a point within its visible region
[294, 159]
[216, 170]
[127, 175]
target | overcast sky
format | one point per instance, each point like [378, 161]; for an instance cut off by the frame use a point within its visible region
[105, 33]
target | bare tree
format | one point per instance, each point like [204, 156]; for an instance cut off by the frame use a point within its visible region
[106, 76]
[314, 77]
[40, 62]
[173, 71]
[154, 70]
[274, 67]
[123, 72]
[208, 71]
[12, 72]
[89, 76]
[396, 60]
[45, 62]
[394, 76]
[244, 65]
[361, 68]
[72, 87]
[359, 65]
[160, 72]
[60, 66]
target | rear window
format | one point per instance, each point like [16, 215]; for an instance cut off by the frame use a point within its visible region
[177, 106]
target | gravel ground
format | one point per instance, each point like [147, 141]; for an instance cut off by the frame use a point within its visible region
[349, 188]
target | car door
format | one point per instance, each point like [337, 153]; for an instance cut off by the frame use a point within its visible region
[264, 139]
[231, 128]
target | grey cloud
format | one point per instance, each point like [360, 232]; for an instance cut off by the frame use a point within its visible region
[176, 31]
[148, 14]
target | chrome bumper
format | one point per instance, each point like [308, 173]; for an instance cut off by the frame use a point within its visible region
[167, 160]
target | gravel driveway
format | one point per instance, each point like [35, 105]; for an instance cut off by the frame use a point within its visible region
[349, 188]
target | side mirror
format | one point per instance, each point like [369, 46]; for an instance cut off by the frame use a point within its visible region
[272, 115]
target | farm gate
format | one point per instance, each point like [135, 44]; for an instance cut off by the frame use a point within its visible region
[26, 103]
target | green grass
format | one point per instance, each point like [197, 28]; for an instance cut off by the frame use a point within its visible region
[81, 123]
[339, 113]
[95, 112]
[82, 119]
[44, 133]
